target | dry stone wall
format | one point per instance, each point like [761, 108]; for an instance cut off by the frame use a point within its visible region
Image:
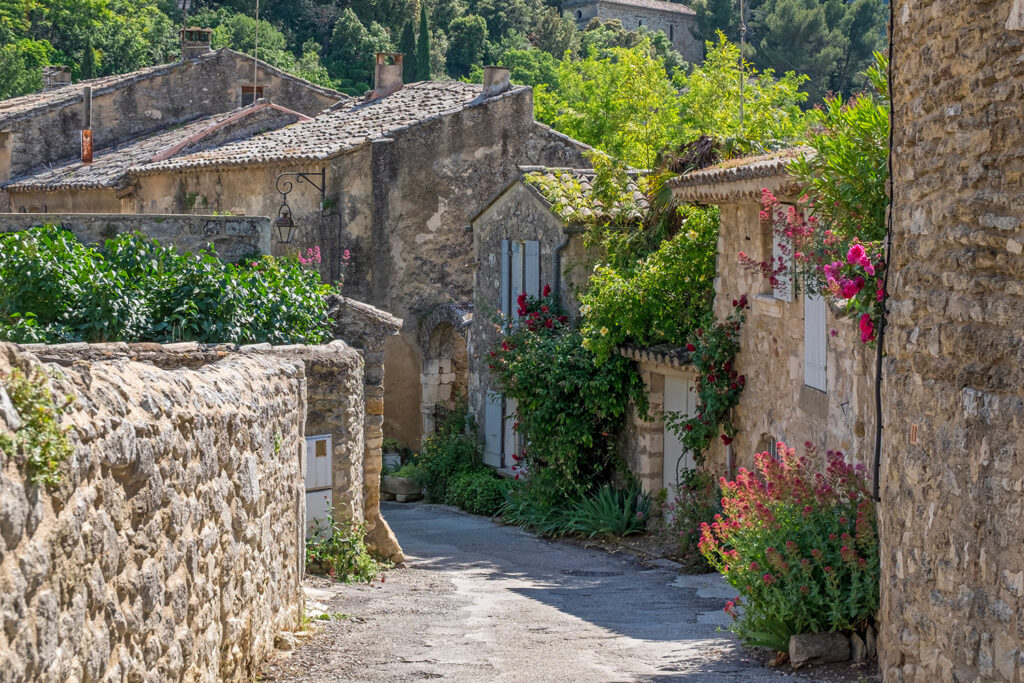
[952, 515]
[232, 236]
[171, 549]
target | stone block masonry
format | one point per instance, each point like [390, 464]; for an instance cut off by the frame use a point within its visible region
[952, 513]
[232, 236]
[172, 548]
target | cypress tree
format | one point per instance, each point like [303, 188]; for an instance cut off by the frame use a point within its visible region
[408, 46]
[87, 68]
[423, 46]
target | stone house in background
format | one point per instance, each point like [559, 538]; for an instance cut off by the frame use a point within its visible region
[674, 20]
[530, 235]
[808, 375]
[388, 186]
[952, 470]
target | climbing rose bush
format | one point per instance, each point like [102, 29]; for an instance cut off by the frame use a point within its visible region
[801, 548]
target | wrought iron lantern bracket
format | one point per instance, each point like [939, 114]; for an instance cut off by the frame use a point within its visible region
[285, 224]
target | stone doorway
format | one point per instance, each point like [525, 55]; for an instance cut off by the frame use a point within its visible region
[445, 374]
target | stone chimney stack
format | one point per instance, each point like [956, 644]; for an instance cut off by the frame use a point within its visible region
[496, 80]
[195, 42]
[388, 77]
[55, 77]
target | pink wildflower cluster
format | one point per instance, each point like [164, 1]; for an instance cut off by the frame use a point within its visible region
[798, 541]
[848, 271]
[311, 258]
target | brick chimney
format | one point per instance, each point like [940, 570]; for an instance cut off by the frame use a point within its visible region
[387, 77]
[496, 80]
[195, 42]
[55, 77]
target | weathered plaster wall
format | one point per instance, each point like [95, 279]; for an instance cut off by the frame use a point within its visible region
[952, 512]
[677, 27]
[172, 549]
[232, 236]
[776, 403]
[158, 98]
[517, 214]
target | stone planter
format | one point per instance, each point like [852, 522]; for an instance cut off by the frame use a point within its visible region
[403, 489]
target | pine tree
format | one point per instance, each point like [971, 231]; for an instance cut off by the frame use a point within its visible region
[423, 47]
[408, 47]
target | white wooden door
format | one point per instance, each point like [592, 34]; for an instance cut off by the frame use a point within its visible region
[318, 479]
[680, 397]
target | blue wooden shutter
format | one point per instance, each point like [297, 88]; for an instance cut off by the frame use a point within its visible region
[504, 305]
[815, 339]
[531, 269]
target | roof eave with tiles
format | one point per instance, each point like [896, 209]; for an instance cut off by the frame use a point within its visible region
[573, 204]
[669, 356]
[740, 179]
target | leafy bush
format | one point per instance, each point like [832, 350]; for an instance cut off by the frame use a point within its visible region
[39, 440]
[450, 450]
[338, 549]
[478, 491]
[660, 299]
[694, 502]
[55, 289]
[569, 408]
[608, 513]
[801, 549]
[406, 471]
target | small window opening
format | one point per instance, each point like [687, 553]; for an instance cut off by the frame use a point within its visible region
[250, 94]
[639, 23]
[579, 14]
[671, 31]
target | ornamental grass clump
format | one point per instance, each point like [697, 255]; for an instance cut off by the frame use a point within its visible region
[801, 548]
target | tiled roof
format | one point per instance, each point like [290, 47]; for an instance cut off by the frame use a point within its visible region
[662, 354]
[17, 108]
[570, 193]
[738, 178]
[662, 5]
[111, 166]
[335, 132]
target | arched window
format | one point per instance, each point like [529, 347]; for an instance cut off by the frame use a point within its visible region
[579, 14]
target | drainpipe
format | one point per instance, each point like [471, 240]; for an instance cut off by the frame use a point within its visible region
[87, 124]
[556, 260]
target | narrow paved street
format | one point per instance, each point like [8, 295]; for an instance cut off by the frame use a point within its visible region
[482, 602]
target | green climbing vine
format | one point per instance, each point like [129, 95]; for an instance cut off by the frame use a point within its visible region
[39, 440]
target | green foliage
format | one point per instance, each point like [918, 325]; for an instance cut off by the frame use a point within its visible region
[621, 101]
[569, 408]
[21, 64]
[713, 348]
[829, 40]
[695, 501]
[609, 512]
[54, 289]
[39, 441]
[468, 39]
[662, 298]
[350, 52]
[846, 175]
[338, 549]
[478, 491]
[709, 101]
[406, 471]
[450, 450]
[801, 548]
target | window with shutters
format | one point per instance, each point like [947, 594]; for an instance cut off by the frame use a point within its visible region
[815, 340]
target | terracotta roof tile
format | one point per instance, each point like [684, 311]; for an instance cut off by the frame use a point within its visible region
[570, 193]
[732, 179]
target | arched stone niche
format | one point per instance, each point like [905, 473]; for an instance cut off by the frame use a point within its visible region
[445, 375]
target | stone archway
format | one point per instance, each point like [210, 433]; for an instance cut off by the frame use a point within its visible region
[445, 374]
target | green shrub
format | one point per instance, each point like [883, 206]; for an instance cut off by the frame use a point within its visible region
[478, 491]
[450, 450]
[406, 471]
[660, 299]
[694, 502]
[611, 513]
[338, 549]
[39, 440]
[55, 289]
[801, 548]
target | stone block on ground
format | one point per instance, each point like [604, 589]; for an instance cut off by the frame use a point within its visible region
[382, 542]
[858, 649]
[818, 648]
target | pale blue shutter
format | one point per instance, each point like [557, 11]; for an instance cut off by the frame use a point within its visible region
[531, 268]
[815, 339]
[492, 429]
[506, 290]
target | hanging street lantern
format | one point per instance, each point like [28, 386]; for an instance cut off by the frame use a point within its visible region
[284, 226]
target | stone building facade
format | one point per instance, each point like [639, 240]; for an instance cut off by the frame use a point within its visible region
[808, 375]
[403, 172]
[952, 478]
[172, 548]
[673, 19]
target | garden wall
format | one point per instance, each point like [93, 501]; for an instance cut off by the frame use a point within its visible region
[172, 547]
[952, 515]
[233, 236]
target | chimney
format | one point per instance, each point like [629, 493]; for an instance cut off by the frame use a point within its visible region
[195, 42]
[55, 77]
[87, 124]
[496, 80]
[388, 77]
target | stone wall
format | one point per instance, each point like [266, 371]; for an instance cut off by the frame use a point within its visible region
[232, 236]
[172, 548]
[952, 514]
[675, 25]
